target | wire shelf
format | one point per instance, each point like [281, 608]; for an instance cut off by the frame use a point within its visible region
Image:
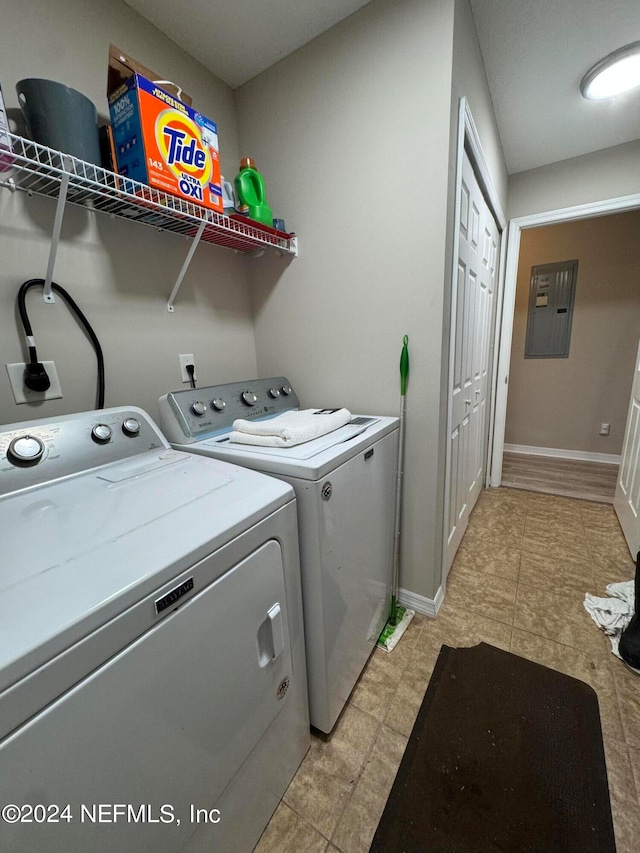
[39, 170]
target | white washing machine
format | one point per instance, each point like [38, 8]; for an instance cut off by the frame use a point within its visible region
[152, 673]
[345, 485]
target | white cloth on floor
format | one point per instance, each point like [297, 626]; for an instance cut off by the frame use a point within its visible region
[289, 428]
[612, 614]
[623, 590]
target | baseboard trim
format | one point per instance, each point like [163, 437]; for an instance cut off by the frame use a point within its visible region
[426, 606]
[580, 455]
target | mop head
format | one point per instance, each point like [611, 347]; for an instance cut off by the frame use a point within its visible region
[392, 633]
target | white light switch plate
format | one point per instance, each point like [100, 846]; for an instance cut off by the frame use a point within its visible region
[23, 394]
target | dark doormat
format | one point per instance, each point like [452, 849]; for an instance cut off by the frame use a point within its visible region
[505, 755]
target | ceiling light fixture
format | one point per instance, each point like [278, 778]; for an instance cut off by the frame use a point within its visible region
[617, 73]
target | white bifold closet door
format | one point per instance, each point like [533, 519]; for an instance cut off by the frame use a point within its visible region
[473, 319]
[627, 498]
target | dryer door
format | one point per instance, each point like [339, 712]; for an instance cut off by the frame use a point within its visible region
[163, 726]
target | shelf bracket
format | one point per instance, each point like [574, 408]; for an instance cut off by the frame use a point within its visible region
[55, 237]
[185, 265]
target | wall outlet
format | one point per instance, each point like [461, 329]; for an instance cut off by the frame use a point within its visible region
[184, 361]
[23, 394]
[605, 429]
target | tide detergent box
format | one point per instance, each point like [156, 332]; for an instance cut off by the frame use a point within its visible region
[163, 142]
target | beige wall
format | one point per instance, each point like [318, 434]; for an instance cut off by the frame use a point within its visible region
[120, 274]
[561, 403]
[610, 173]
[469, 80]
[353, 136]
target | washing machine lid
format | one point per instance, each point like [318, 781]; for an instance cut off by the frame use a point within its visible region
[311, 460]
[80, 551]
[200, 420]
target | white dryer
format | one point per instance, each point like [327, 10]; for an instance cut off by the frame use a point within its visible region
[152, 672]
[345, 485]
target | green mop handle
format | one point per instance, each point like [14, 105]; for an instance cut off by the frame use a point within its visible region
[404, 365]
[404, 375]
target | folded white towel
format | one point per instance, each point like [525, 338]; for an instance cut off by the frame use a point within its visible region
[612, 614]
[289, 428]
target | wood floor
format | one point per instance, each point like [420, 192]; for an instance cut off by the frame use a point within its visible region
[591, 481]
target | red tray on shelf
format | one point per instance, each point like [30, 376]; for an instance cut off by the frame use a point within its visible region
[285, 235]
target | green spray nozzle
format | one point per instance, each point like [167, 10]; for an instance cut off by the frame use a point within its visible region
[404, 365]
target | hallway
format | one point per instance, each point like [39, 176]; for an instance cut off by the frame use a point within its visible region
[518, 582]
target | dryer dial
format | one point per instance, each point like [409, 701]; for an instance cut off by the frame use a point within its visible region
[249, 398]
[26, 450]
[286, 390]
[131, 427]
[274, 393]
[198, 408]
[101, 433]
[218, 404]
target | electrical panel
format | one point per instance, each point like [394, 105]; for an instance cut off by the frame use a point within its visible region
[551, 296]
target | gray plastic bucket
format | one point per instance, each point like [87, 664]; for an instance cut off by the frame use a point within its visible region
[60, 118]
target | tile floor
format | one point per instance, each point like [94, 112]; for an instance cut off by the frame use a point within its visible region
[518, 582]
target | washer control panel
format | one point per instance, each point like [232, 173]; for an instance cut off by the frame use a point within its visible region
[45, 450]
[194, 413]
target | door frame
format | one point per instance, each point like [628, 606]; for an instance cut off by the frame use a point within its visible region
[621, 501]
[469, 139]
[504, 330]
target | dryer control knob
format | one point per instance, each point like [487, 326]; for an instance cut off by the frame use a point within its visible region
[131, 427]
[101, 433]
[274, 393]
[26, 449]
[286, 390]
[218, 404]
[198, 408]
[249, 398]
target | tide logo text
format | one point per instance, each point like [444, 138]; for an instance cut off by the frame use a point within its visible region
[177, 152]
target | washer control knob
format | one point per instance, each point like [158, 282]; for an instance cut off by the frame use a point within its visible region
[274, 393]
[249, 398]
[198, 408]
[101, 433]
[218, 404]
[26, 449]
[286, 390]
[131, 427]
